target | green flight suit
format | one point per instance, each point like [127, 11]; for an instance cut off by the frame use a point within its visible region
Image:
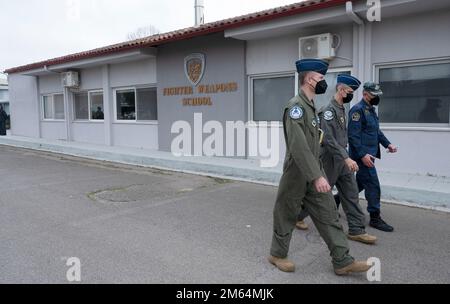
[301, 167]
[333, 156]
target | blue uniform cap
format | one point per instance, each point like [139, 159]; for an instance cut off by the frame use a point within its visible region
[349, 80]
[312, 65]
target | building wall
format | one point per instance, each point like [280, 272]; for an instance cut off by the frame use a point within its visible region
[137, 73]
[143, 136]
[414, 37]
[24, 105]
[50, 84]
[53, 130]
[25, 92]
[141, 72]
[88, 132]
[278, 54]
[411, 37]
[420, 152]
[225, 63]
[91, 79]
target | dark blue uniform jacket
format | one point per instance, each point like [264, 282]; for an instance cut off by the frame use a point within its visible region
[364, 134]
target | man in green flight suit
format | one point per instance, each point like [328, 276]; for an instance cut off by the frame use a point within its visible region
[338, 166]
[303, 180]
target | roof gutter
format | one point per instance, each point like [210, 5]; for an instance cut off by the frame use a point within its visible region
[49, 71]
[351, 14]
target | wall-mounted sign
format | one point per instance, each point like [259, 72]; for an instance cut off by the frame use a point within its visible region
[202, 89]
[194, 68]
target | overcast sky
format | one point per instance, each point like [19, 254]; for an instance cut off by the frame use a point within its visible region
[34, 30]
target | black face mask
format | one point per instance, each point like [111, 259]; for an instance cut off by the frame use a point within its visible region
[321, 87]
[348, 98]
[375, 101]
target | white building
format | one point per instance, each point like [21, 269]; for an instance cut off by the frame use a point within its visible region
[142, 87]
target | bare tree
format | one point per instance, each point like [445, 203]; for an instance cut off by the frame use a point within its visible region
[143, 32]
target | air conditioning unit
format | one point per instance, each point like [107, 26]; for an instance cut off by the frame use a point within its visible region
[71, 79]
[317, 47]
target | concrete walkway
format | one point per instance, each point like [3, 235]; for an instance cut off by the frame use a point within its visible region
[429, 192]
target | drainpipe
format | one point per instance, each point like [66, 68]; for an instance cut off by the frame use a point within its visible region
[359, 56]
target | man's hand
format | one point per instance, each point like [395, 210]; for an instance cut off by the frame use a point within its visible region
[368, 161]
[352, 165]
[392, 149]
[322, 185]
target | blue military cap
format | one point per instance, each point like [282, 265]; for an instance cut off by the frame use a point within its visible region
[312, 65]
[349, 80]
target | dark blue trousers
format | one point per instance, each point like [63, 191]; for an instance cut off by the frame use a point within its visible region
[368, 181]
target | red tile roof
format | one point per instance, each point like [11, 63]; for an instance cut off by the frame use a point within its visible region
[208, 28]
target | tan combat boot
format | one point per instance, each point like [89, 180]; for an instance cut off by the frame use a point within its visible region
[363, 238]
[301, 225]
[356, 266]
[282, 264]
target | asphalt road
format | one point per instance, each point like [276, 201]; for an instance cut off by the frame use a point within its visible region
[138, 225]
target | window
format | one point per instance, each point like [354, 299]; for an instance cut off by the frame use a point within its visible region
[48, 107]
[53, 107]
[136, 104]
[96, 105]
[415, 93]
[270, 95]
[126, 104]
[146, 104]
[58, 104]
[89, 106]
[81, 106]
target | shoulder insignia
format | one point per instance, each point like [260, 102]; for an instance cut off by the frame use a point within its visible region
[328, 115]
[356, 116]
[296, 112]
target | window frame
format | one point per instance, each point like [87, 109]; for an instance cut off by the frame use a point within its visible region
[411, 63]
[89, 92]
[251, 102]
[90, 105]
[52, 107]
[135, 121]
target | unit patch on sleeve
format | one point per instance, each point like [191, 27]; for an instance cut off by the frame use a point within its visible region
[296, 112]
[356, 116]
